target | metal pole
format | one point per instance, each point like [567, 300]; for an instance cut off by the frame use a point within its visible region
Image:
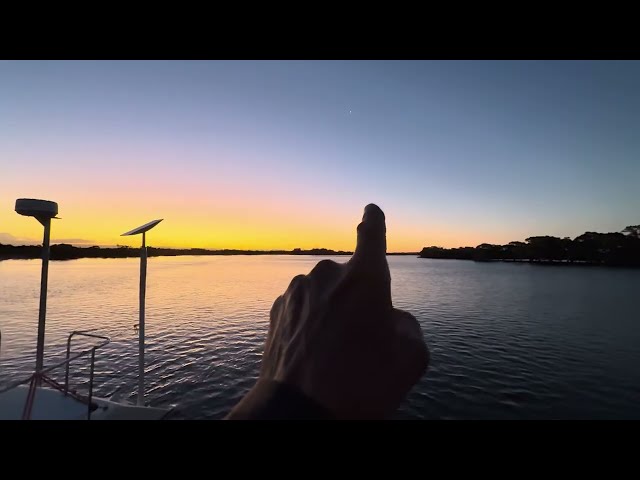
[143, 288]
[66, 370]
[93, 361]
[43, 295]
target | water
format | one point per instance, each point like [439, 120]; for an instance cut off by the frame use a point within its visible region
[508, 341]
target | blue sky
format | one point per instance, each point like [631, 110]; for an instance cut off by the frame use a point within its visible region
[456, 153]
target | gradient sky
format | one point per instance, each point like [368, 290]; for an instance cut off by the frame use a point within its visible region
[283, 154]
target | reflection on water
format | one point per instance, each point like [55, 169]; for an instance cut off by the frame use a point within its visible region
[507, 341]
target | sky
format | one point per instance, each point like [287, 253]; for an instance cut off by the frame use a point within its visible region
[286, 154]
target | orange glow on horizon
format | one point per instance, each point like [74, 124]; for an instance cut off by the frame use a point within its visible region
[224, 220]
[236, 228]
[243, 230]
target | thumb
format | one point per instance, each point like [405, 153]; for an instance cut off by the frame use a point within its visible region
[371, 248]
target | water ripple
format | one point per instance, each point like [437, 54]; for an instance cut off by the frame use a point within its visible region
[506, 341]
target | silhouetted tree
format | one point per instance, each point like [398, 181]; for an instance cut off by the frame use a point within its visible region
[632, 231]
[615, 249]
[69, 252]
[516, 251]
[486, 252]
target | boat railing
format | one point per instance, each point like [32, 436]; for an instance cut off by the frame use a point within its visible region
[39, 377]
[84, 333]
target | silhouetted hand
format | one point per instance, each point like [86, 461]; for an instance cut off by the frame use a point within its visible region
[335, 336]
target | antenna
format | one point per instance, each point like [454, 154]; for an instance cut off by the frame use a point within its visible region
[143, 290]
[43, 211]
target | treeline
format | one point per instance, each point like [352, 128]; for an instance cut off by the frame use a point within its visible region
[615, 249]
[65, 251]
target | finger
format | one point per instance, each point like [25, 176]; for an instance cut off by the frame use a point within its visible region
[275, 319]
[276, 308]
[274, 323]
[324, 275]
[295, 301]
[325, 268]
[371, 247]
[295, 283]
[411, 341]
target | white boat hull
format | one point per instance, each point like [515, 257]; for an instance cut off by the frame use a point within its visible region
[50, 404]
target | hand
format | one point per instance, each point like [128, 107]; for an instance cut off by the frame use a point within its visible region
[335, 336]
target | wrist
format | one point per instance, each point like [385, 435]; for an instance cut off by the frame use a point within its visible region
[274, 400]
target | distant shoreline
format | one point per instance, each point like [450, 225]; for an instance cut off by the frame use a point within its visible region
[69, 252]
[613, 249]
[559, 263]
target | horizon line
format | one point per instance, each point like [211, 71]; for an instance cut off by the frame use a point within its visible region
[114, 247]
